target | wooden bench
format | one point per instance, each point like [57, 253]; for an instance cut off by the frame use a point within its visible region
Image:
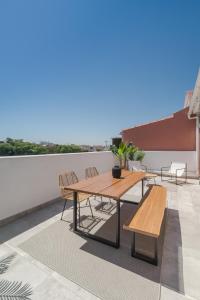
[147, 220]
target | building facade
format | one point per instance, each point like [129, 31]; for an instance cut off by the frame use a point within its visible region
[178, 132]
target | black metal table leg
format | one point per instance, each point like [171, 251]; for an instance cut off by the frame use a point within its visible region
[118, 225]
[115, 244]
[142, 187]
[75, 212]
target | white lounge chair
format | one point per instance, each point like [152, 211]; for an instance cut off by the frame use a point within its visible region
[177, 169]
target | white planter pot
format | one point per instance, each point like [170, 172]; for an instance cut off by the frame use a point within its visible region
[134, 165]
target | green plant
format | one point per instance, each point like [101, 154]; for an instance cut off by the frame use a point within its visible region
[119, 152]
[123, 153]
[131, 153]
[139, 155]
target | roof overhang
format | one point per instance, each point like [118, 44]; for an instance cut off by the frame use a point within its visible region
[194, 108]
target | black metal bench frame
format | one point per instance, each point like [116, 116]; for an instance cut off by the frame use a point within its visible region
[134, 253]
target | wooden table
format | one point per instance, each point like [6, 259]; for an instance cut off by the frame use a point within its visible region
[107, 186]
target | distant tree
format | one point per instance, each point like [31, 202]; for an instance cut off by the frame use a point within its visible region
[19, 147]
[6, 149]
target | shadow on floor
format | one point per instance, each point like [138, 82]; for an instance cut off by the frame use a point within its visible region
[170, 272]
[170, 261]
[122, 257]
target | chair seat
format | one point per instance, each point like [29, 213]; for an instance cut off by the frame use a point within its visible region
[81, 196]
[150, 175]
[168, 173]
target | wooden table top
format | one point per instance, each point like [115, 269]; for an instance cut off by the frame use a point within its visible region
[107, 186]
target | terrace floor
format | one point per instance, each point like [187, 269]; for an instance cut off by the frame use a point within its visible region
[179, 272]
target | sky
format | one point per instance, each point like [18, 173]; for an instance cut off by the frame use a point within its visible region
[79, 71]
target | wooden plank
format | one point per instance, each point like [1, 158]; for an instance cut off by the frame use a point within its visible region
[150, 175]
[115, 191]
[96, 184]
[148, 218]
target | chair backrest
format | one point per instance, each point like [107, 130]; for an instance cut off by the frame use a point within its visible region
[136, 166]
[65, 180]
[179, 166]
[91, 172]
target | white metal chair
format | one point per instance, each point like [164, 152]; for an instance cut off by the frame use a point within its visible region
[175, 170]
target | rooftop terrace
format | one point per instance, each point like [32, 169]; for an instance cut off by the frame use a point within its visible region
[58, 264]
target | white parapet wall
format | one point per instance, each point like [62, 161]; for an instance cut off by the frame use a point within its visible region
[30, 181]
[154, 160]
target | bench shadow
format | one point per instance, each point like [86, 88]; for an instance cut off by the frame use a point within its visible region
[172, 262]
[122, 256]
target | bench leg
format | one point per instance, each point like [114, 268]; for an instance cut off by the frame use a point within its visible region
[134, 253]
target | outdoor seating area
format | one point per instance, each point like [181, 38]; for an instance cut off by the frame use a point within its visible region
[100, 150]
[59, 257]
[147, 219]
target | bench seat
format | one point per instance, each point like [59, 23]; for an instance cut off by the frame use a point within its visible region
[148, 218]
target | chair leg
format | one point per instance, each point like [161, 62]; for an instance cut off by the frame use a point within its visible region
[90, 207]
[101, 203]
[63, 209]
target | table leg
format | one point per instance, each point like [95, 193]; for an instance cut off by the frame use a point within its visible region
[118, 225]
[115, 244]
[142, 187]
[75, 212]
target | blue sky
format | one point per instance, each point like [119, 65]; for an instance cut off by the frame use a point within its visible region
[80, 71]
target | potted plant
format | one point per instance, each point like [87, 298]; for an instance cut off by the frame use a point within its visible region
[120, 155]
[135, 159]
[116, 170]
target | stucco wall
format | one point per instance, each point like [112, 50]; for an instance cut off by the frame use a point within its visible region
[174, 133]
[156, 159]
[28, 181]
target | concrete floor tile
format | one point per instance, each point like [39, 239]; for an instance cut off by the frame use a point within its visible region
[181, 255]
[51, 289]
[191, 271]
[167, 294]
[21, 269]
